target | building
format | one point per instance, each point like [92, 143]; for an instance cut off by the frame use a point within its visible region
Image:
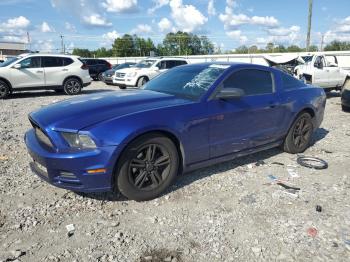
[12, 49]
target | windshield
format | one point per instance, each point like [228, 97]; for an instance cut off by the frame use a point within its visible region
[121, 66]
[9, 61]
[307, 59]
[145, 63]
[188, 81]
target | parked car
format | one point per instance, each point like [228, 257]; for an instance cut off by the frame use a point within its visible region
[145, 70]
[345, 97]
[96, 67]
[63, 73]
[109, 74]
[1, 61]
[323, 71]
[138, 141]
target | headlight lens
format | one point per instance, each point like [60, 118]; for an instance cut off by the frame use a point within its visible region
[78, 140]
[132, 74]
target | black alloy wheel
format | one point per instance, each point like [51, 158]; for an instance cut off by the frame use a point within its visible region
[299, 135]
[147, 167]
[72, 86]
[4, 90]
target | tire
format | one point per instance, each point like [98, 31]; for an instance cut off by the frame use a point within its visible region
[122, 87]
[345, 108]
[5, 90]
[100, 77]
[299, 135]
[142, 81]
[139, 176]
[72, 86]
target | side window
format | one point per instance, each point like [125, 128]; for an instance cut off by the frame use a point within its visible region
[251, 81]
[161, 65]
[319, 62]
[67, 61]
[31, 62]
[170, 64]
[91, 62]
[290, 82]
[51, 61]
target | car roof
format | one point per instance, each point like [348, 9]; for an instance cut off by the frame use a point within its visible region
[48, 54]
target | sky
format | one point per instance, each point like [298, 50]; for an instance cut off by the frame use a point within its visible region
[227, 23]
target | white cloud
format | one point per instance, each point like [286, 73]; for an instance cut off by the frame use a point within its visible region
[282, 31]
[157, 4]
[46, 28]
[211, 8]
[120, 6]
[165, 25]
[343, 26]
[44, 46]
[141, 29]
[237, 35]
[70, 27]
[96, 20]
[15, 23]
[187, 17]
[111, 35]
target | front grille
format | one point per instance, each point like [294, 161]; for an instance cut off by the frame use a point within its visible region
[120, 75]
[40, 135]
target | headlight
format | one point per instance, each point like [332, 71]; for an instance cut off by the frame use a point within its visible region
[78, 140]
[132, 74]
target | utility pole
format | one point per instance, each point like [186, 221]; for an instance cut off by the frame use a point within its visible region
[322, 43]
[308, 37]
[62, 44]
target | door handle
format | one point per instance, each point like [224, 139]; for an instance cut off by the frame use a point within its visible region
[65, 70]
[40, 72]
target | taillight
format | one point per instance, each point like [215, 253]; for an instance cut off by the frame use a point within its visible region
[84, 67]
[109, 65]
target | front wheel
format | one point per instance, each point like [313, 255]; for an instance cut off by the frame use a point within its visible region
[142, 81]
[100, 77]
[4, 90]
[299, 135]
[147, 167]
[72, 86]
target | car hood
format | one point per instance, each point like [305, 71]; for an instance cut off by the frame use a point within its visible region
[131, 70]
[110, 72]
[84, 111]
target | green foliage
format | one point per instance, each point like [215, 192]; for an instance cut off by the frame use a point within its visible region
[337, 46]
[82, 52]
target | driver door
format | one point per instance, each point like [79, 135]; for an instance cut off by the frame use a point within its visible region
[30, 74]
[320, 74]
[246, 122]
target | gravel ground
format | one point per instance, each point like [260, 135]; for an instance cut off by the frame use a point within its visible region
[228, 212]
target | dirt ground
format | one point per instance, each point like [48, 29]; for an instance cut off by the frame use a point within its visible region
[228, 212]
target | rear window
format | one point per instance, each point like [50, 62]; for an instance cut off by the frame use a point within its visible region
[52, 61]
[102, 62]
[290, 82]
[67, 61]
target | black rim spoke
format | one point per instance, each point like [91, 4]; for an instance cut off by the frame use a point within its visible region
[302, 132]
[162, 161]
[149, 167]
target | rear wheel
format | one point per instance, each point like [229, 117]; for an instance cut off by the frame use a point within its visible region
[147, 167]
[4, 90]
[100, 77]
[299, 135]
[72, 86]
[345, 108]
[122, 87]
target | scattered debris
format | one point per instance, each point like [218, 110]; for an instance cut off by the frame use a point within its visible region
[3, 158]
[292, 173]
[312, 232]
[260, 163]
[70, 230]
[312, 162]
[318, 208]
[277, 163]
[250, 166]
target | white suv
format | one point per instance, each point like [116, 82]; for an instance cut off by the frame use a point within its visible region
[62, 73]
[145, 70]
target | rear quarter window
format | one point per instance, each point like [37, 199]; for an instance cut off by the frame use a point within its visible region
[67, 61]
[290, 82]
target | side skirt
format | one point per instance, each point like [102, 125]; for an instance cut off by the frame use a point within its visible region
[230, 157]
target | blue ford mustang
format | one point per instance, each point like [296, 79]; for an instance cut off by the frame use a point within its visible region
[138, 141]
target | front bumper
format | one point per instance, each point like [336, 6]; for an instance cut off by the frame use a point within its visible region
[69, 170]
[130, 82]
[345, 98]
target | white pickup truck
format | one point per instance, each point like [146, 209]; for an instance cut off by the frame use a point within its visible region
[323, 71]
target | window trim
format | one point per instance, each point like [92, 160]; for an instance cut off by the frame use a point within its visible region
[31, 57]
[213, 96]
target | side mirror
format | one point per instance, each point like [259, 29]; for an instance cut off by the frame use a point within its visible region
[319, 65]
[17, 66]
[230, 93]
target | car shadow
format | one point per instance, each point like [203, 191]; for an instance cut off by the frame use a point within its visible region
[333, 94]
[35, 94]
[188, 178]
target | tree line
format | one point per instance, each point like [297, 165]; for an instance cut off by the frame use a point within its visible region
[183, 44]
